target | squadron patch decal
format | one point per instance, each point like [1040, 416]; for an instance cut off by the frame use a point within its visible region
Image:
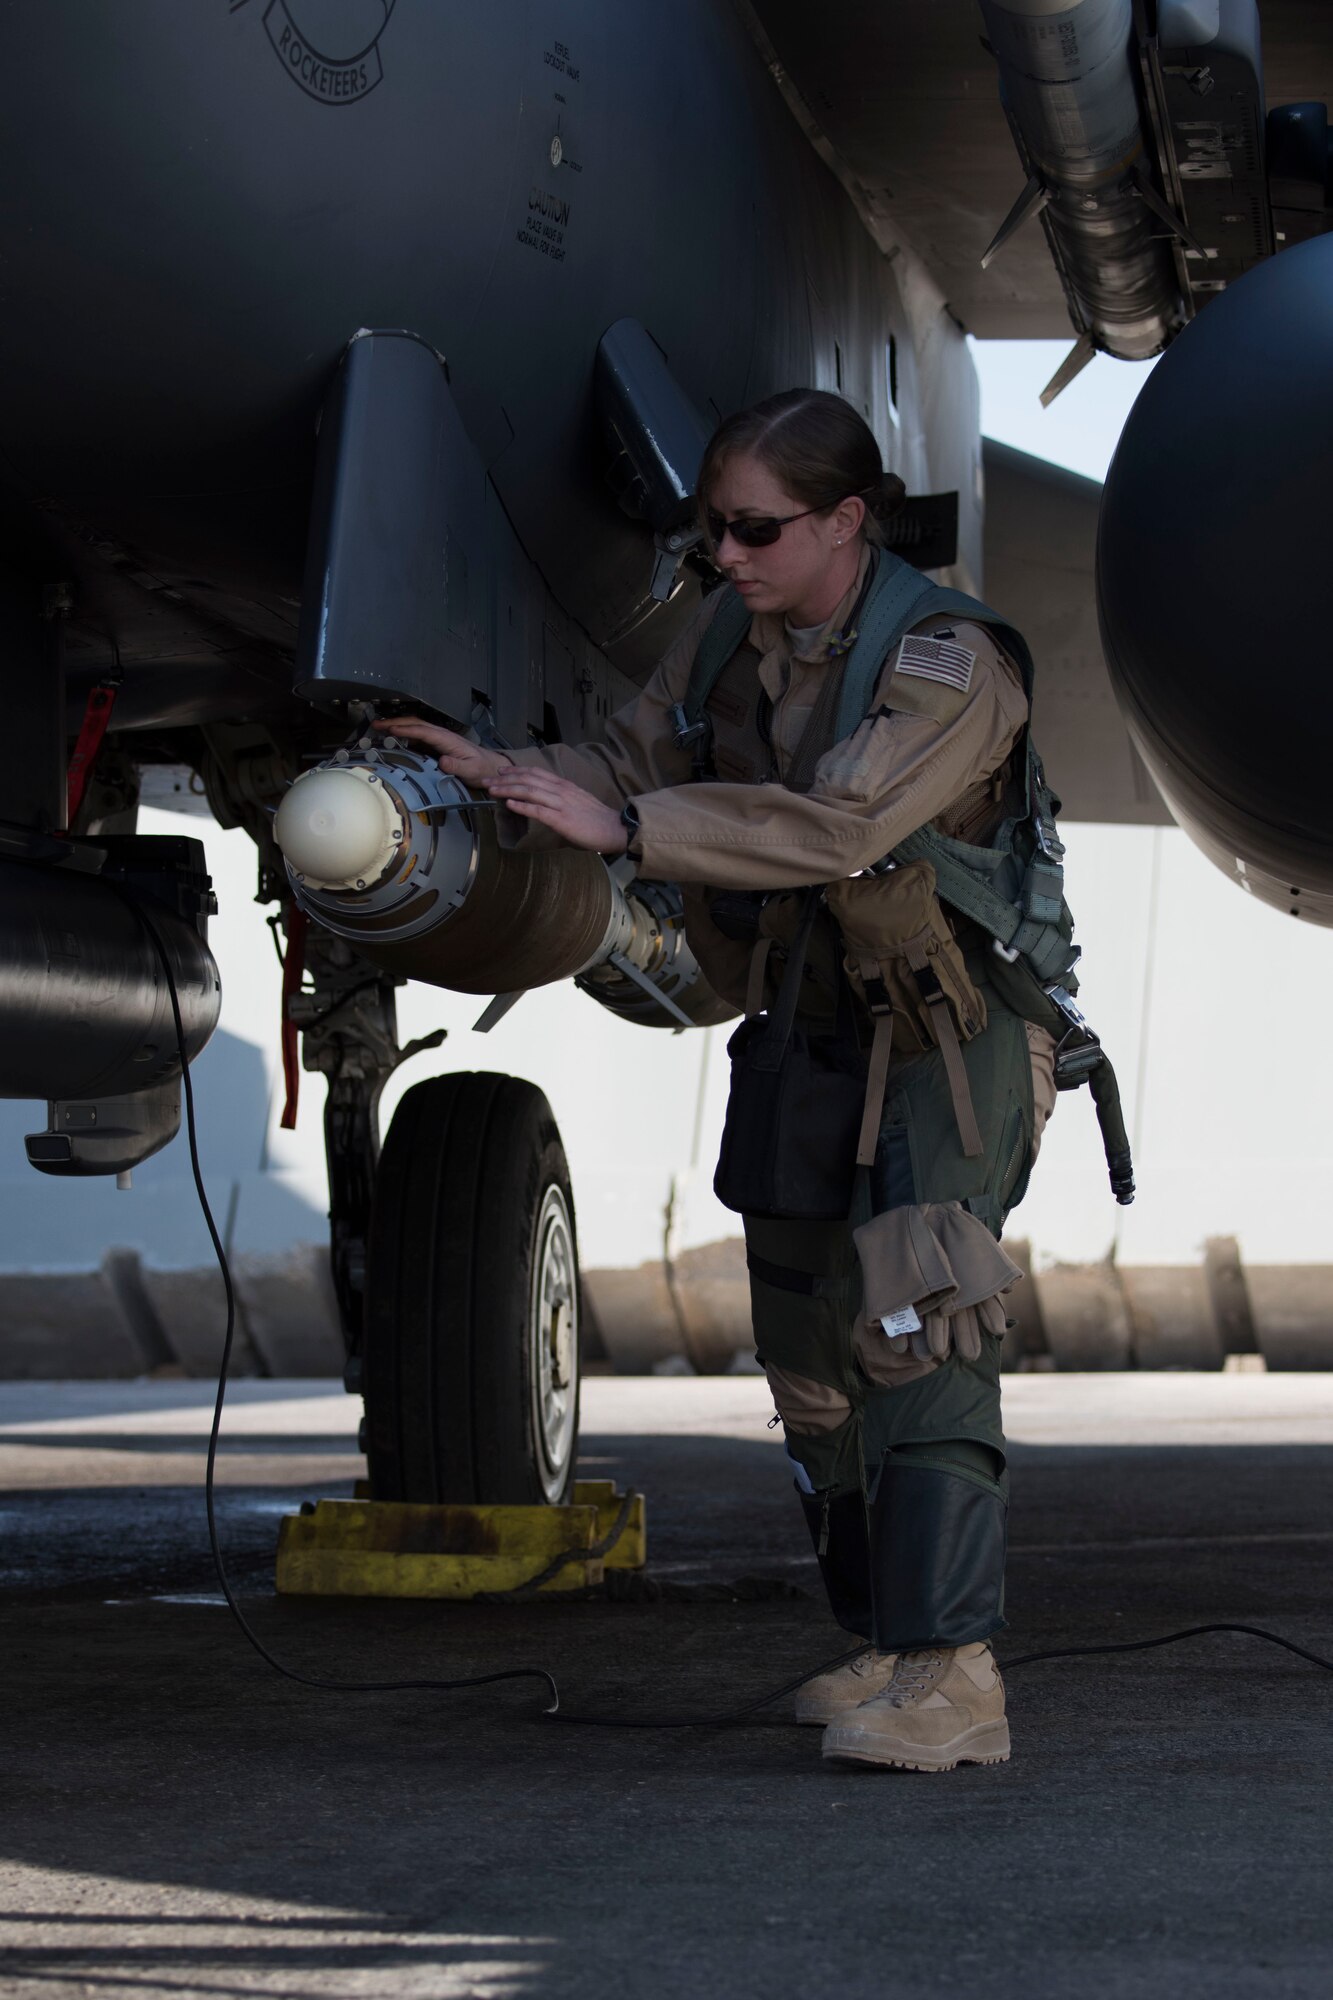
[331, 76]
[936, 660]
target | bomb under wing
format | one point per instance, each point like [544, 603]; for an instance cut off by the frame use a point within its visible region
[386, 851]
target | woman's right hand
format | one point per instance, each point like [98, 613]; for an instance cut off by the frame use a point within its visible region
[454, 753]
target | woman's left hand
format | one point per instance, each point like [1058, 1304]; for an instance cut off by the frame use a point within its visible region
[566, 808]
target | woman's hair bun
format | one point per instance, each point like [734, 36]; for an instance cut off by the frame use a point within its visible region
[884, 496]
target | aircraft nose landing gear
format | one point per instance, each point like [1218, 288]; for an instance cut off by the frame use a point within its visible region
[471, 1355]
[455, 1259]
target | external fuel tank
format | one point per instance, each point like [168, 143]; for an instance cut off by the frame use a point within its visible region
[1214, 581]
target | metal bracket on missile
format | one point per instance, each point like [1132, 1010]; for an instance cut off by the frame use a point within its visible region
[491, 1017]
[1149, 196]
[1077, 359]
[390, 1548]
[628, 968]
[1034, 198]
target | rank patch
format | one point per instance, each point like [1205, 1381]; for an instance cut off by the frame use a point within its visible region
[936, 660]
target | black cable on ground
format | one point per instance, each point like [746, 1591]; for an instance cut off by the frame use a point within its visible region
[729, 1718]
[1167, 1639]
[736, 1715]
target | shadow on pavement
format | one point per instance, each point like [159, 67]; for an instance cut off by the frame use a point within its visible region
[179, 1819]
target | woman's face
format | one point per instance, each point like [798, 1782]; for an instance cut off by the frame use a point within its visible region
[809, 567]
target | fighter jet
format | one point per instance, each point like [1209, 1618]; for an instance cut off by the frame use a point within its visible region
[359, 355]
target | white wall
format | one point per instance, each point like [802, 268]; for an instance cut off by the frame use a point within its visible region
[1209, 1005]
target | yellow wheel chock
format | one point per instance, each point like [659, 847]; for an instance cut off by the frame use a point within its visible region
[392, 1548]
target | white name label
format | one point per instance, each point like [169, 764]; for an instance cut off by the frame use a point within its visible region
[905, 1320]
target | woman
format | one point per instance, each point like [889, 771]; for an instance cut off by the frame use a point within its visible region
[891, 1419]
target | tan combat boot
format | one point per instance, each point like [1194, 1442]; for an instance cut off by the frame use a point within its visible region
[941, 1707]
[844, 1688]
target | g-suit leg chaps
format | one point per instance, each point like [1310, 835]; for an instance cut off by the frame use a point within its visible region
[907, 1480]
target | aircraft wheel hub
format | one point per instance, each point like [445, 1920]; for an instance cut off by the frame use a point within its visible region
[553, 1340]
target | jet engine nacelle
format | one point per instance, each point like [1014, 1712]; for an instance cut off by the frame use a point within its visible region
[1215, 586]
[388, 852]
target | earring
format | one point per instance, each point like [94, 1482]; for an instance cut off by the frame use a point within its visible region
[837, 542]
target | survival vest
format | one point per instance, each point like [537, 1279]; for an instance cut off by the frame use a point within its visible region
[1012, 889]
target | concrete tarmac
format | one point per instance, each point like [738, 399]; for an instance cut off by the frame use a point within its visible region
[176, 1819]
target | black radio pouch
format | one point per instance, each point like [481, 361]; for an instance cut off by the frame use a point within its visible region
[794, 1113]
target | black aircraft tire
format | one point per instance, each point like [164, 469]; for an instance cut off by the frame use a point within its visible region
[471, 1351]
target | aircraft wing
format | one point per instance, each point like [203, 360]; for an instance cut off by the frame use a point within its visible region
[1041, 536]
[906, 98]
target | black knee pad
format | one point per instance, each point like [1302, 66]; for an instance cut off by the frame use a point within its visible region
[937, 1548]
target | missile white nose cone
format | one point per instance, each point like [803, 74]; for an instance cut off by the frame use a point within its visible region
[339, 829]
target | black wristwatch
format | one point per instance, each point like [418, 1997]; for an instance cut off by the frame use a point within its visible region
[629, 819]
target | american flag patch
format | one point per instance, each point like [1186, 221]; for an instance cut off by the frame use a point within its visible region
[936, 660]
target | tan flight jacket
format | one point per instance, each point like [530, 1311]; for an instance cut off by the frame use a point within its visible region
[924, 755]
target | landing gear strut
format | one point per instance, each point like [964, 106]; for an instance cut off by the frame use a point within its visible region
[350, 1028]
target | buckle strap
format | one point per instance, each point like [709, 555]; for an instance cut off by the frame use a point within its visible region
[950, 1048]
[881, 1051]
[893, 604]
[726, 631]
[768, 1055]
[785, 1278]
[754, 984]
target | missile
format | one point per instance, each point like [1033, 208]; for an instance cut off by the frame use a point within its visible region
[1069, 81]
[390, 853]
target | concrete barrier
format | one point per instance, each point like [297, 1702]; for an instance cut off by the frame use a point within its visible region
[711, 1290]
[1292, 1306]
[1086, 1316]
[1025, 1343]
[284, 1284]
[695, 1309]
[56, 1324]
[143, 1311]
[631, 1318]
[1171, 1317]
[1068, 1317]
[290, 1314]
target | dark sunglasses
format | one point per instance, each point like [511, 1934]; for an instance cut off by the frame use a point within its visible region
[756, 531]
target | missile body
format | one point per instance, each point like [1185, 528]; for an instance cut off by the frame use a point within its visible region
[388, 852]
[1068, 77]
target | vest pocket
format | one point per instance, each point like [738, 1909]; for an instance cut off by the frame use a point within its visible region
[901, 954]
